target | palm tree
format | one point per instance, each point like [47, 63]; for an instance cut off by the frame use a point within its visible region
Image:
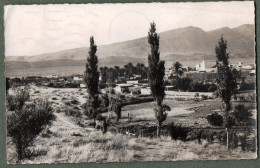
[129, 69]
[177, 69]
[116, 71]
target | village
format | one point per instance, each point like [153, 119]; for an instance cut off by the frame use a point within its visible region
[137, 84]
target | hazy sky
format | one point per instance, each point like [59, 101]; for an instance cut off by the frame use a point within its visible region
[37, 29]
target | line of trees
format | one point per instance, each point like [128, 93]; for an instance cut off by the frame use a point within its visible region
[110, 74]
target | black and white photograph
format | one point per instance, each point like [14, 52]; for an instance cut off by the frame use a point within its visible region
[130, 82]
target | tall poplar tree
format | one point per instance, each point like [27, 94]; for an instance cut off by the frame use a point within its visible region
[226, 81]
[156, 72]
[91, 79]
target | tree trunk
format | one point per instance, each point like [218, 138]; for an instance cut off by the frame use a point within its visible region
[19, 147]
[159, 130]
[227, 138]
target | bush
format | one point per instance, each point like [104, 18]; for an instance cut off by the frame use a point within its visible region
[25, 124]
[54, 98]
[233, 140]
[241, 115]
[17, 101]
[72, 112]
[136, 92]
[74, 101]
[204, 97]
[90, 112]
[247, 86]
[215, 119]
[10, 102]
[178, 131]
[101, 123]
[112, 91]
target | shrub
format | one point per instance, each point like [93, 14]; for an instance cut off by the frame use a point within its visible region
[241, 115]
[112, 91]
[215, 119]
[10, 102]
[90, 112]
[243, 142]
[72, 112]
[25, 124]
[235, 97]
[178, 131]
[102, 85]
[36, 91]
[17, 101]
[74, 101]
[136, 92]
[196, 95]
[204, 97]
[54, 98]
[101, 123]
[105, 100]
[233, 140]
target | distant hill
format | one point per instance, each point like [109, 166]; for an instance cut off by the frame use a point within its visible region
[188, 45]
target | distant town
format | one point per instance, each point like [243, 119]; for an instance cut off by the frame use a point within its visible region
[133, 79]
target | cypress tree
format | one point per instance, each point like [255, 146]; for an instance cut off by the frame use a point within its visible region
[91, 79]
[156, 72]
[226, 80]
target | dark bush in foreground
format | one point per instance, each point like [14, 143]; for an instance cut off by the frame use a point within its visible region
[25, 124]
[16, 102]
[10, 102]
[177, 131]
[215, 119]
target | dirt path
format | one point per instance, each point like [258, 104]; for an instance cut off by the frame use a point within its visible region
[66, 121]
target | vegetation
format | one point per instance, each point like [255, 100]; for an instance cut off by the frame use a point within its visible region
[27, 122]
[178, 131]
[68, 142]
[225, 79]
[91, 78]
[110, 75]
[177, 69]
[215, 119]
[156, 72]
[241, 115]
[7, 85]
[17, 101]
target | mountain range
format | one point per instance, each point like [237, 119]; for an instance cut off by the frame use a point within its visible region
[188, 45]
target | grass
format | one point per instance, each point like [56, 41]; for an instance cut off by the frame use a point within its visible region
[121, 148]
[71, 143]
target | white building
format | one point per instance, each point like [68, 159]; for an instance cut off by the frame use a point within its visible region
[201, 66]
[76, 78]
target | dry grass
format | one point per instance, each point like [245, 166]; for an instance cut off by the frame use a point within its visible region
[67, 142]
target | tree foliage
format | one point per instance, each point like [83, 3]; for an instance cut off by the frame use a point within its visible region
[177, 66]
[225, 77]
[156, 72]
[27, 121]
[156, 69]
[91, 78]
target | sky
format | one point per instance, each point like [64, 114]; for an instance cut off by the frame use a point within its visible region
[37, 29]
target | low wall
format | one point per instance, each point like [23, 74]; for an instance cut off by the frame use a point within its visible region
[176, 94]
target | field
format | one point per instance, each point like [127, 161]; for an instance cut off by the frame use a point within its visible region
[71, 138]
